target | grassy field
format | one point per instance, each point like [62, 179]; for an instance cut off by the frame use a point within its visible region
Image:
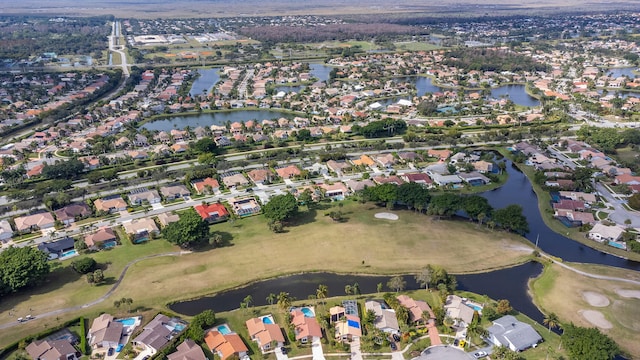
[626, 154]
[361, 245]
[561, 291]
[416, 46]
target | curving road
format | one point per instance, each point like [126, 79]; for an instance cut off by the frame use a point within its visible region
[101, 298]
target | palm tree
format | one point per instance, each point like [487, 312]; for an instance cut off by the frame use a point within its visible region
[475, 330]
[551, 320]
[347, 289]
[271, 298]
[322, 292]
[248, 300]
[284, 300]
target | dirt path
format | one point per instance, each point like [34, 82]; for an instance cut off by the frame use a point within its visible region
[101, 298]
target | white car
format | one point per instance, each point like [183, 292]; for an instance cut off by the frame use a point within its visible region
[479, 354]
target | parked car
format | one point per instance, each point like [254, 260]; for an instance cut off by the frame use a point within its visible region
[394, 347]
[146, 357]
[396, 337]
[480, 354]
[284, 350]
[110, 351]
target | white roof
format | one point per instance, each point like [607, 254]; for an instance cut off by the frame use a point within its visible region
[404, 102]
[609, 232]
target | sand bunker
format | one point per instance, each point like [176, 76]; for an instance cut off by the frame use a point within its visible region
[596, 318]
[629, 293]
[595, 299]
[386, 216]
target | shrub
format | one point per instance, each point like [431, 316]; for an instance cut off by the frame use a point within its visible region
[84, 265]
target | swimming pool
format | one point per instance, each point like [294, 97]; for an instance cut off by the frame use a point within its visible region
[69, 253]
[617, 245]
[267, 320]
[475, 307]
[307, 312]
[179, 327]
[109, 244]
[127, 321]
[224, 329]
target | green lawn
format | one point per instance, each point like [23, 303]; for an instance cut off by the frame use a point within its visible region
[417, 46]
[372, 246]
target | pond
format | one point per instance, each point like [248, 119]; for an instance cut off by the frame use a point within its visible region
[205, 82]
[216, 118]
[510, 284]
[624, 71]
[320, 71]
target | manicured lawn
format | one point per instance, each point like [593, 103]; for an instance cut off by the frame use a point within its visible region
[417, 46]
[561, 291]
[363, 244]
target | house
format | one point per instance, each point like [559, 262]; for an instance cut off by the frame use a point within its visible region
[167, 218]
[456, 309]
[393, 179]
[409, 156]
[335, 191]
[111, 204]
[141, 196]
[244, 206]
[419, 178]
[34, 222]
[359, 185]
[419, 311]
[627, 179]
[337, 166]
[68, 214]
[603, 233]
[288, 172]
[188, 350]
[386, 319]
[140, 229]
[474, 178]
[363, 160]
[576, 216]
[507, 331]
[444, 180]
[348, 328]
[234, 179]
[265, 332]
[56, 249]
[212, 212]
[5, 231]
[174, 192]
[52, 350]
[226, 345]
[566, 204]
[560, 183]
[576, 195]
[386, 160]
[105, 332]
[306, 327]
[156, 334]
[208, 185]
[483, 166]
[260, 176]
[100, 237]
[440, 154]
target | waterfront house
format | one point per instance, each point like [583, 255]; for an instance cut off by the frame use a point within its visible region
[306, 328]
[386, 319]
[603, 233]
[507, 331]
[265, 332]
[188, 350]
[226, 345]
[419, 311]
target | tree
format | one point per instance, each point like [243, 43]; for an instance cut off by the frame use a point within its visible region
[281, 207]
[284, 300]
[355, 288]
[413, 195]
[248, 300]
[504, 353]
[379, 287]
[187, 231]
[444, 205]
[424, 277]
[84, 265]
[504, 307]
[475, 330]
[512, 219]
[348, 290]
[98, 276]
[271, 298]
[204, 145]
[322, 292]
[588, 343]
[397, 283]
[551, 320]
[21, 267]
[199, 323]
[634, 201]
[475, 205]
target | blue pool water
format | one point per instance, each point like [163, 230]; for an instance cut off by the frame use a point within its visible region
[307, 312]
[127, 321]
[109, 244]
[353, 324]
[179, 327]
[224, 329]
[475, 307]
[616, 245]
[69, 253]
[267, 320]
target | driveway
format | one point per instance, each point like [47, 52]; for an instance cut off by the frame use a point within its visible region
[619, 214]
[356, 354]
[316, 349]
[279, 354]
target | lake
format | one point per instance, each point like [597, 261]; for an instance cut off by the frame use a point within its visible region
[216, 118]
[618, 72]
[205, 82]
